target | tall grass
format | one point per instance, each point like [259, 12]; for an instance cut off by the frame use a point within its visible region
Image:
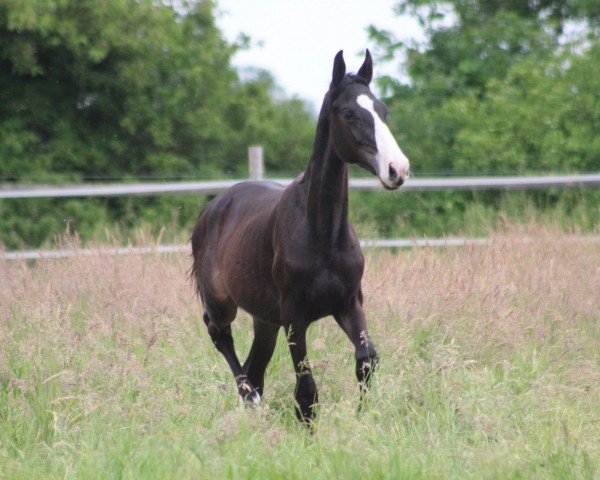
[490, 368]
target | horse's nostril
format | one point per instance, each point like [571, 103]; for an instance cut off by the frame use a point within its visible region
[393, 172]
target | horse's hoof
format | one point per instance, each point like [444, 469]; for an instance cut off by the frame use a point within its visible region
[252, 399]
[249, 394]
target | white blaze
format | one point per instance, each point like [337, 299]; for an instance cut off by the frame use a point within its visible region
[388, 151]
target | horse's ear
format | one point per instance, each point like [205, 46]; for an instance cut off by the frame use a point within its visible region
[339, 69]
[366, 70]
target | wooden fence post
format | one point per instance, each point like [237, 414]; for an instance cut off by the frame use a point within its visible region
[256, 162]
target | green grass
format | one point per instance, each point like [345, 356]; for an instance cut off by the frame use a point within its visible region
[29, 223]
[489, 369]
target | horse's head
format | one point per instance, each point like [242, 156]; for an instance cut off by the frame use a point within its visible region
[358, 130]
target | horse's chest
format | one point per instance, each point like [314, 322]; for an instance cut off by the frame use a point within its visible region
[325, 283]
[327, 289]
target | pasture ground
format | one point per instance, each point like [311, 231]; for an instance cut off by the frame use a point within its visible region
[490, 368]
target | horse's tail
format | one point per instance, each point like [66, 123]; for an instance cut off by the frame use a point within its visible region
[193, 274]
[196, 241]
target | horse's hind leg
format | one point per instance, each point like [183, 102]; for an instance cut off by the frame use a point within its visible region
[263, 345]
[219, 329]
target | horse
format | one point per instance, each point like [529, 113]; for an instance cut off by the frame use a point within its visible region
[289, 256]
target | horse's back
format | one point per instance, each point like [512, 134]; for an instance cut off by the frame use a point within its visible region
[243, 203]
[232, 247]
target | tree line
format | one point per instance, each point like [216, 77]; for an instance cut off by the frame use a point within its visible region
[137, 89]
[128, 89]
[498, 87]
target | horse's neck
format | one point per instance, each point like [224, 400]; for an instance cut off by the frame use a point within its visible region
[327, 200]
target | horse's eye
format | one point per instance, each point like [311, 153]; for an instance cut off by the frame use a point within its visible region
[348, 114]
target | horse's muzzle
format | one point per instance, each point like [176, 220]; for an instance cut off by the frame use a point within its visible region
[395, 178]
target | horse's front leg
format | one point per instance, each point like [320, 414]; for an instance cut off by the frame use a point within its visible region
[306, 389]
[353, 323]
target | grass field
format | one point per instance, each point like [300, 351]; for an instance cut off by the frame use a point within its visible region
[490, 368]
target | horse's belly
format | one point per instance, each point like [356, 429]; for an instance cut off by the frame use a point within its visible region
[249, 284]
[261, 302]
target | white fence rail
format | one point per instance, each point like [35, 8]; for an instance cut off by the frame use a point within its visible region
[186, 249]
[90, 252]
[214, 187]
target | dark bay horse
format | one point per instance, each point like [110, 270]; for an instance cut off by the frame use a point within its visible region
[289, 256]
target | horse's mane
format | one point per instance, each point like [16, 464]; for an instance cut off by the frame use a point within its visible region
[321, 136]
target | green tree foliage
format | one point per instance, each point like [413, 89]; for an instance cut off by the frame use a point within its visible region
[128, 88]
[125, 87]
[498, 87]
[543, 117]
[110, 88]
[282, 126]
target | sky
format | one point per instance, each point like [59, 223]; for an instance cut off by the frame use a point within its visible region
[296, 40]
